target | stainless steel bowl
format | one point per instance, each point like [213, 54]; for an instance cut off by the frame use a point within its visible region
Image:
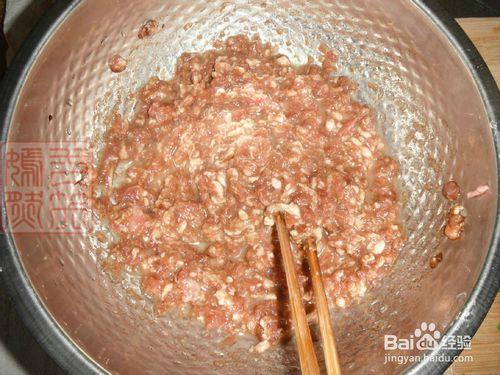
[437, 106]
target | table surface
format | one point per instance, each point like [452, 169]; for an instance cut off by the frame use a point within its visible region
[20, 354]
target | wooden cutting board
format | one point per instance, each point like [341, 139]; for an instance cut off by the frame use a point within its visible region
[485, 34]
[485, 346]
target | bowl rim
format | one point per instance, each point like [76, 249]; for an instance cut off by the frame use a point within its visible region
[70, 357]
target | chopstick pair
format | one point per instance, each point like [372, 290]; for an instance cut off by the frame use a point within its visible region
[307, 356]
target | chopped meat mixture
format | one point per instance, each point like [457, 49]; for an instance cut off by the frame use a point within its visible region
[190, 187]
[117, 64]
[455, 222]
[435, 260]
[477, 192]
[150, 27]
[451, 191]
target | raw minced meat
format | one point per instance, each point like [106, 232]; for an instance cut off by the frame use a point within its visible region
[190, 187]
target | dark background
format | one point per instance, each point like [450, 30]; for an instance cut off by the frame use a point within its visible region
[17, 342]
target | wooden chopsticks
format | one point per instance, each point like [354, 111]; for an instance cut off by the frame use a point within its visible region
[325, 324]
[308, 360]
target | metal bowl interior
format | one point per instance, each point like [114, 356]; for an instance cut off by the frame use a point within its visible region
[429, 108]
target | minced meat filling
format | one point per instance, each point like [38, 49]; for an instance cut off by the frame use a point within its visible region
[190, 187]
